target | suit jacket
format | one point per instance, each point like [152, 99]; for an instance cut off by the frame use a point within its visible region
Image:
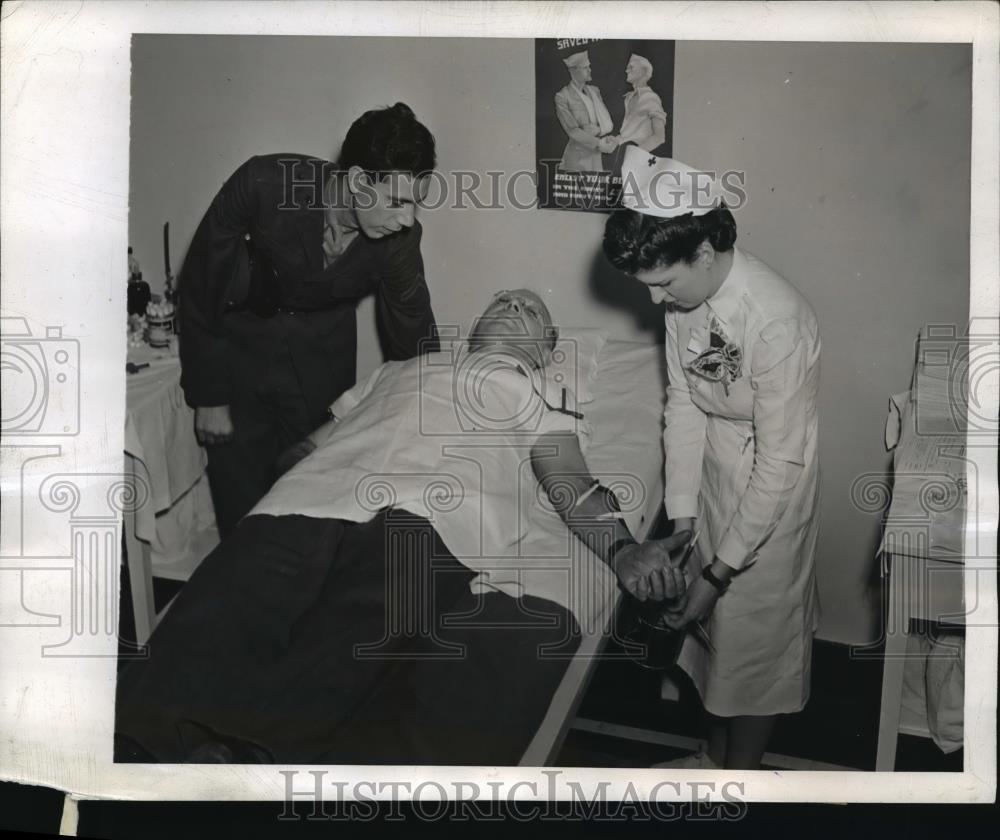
[581, 153]
[226, 332]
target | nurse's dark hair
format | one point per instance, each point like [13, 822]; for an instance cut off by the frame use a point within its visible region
[387, 140]
[639, 242]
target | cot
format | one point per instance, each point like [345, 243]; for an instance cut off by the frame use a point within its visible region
[296, 640]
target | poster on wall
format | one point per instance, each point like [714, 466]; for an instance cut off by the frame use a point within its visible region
[593, 98]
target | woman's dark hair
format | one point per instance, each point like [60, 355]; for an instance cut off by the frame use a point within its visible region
[635, 241]
[388, 140]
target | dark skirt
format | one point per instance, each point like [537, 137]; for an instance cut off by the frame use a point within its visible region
[318, 641]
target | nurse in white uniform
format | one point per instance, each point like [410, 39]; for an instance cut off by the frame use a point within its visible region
[740, 438]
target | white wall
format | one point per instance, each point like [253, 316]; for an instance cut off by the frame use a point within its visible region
[858, 172]
[202, 105]
[857, 158]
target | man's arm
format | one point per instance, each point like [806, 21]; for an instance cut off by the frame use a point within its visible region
[589, 511]
[343, 406]
[304, 448]
[604, 123]
[573, 129]
[655, 136]
[405, 318]
[209, 278]
[559, 466]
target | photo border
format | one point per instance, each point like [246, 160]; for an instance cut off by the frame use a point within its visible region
[63, 218]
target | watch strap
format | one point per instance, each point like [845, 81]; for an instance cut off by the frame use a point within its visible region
[708, 575]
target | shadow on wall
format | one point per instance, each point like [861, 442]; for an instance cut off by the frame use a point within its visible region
[612, 288]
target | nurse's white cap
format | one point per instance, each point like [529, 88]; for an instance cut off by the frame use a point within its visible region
[666, 187]
[577, 59]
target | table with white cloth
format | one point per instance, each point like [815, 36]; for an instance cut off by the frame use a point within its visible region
[172, 526]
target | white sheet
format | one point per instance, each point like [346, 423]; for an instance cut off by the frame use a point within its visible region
[448, 437]
[497, 522]
[626, 419]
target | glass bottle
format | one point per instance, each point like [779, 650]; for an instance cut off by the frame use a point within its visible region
[138, 293]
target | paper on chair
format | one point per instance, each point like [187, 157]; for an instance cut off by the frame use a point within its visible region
[929, 495]
[929, 492]
[894, 422]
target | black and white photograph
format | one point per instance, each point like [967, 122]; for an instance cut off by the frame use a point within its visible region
[335, 448]
[403, 575]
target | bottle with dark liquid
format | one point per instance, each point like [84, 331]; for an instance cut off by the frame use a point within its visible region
[137, 294]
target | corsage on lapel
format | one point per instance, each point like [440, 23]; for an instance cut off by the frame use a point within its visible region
[721, 362]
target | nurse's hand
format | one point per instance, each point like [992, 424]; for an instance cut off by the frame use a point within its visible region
[684, 524]
[701, 598]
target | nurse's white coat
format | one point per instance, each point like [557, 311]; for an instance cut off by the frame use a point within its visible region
[741, 454]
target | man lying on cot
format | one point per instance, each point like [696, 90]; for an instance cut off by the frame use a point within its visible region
[462, 425]
[387, 600]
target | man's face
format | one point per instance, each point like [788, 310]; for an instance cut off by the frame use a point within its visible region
[385, 207]
[517, 319]
[633, 71]
[581, 73]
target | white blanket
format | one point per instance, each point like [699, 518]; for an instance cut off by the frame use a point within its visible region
[448, 438]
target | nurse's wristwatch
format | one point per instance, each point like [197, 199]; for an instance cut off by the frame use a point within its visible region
[720, 586]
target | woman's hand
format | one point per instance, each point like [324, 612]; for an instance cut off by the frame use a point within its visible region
[213, 424]
[686, 523]
[701, 598]
[702, 595]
